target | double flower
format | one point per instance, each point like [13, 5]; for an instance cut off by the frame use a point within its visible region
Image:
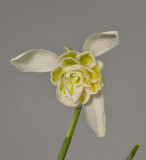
[77, 76]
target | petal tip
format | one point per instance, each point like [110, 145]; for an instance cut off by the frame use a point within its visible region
[101, 133]
[35, 60]
[99, 43]
[13, 61]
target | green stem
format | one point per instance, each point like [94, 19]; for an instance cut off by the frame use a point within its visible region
[133, 152]
[69, 134]
[67, 48]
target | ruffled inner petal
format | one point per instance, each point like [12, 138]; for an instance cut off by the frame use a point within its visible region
[69, 61]
[68, 54]
[94, 77]
[55, 75]
[62, 88]
[84, 96]
[69, 87]
[65, 100]
[95, 87]
[86, 59]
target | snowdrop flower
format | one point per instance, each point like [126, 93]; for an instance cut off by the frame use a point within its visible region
[77, 76]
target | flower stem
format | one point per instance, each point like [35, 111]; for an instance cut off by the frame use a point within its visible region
[69, 134]
[67, 48]
[133, 152]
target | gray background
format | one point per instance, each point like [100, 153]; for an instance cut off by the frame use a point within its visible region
[33, 122]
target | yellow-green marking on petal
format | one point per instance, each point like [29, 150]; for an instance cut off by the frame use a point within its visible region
[78, 81]
[84, 96]
[96, 69]
[62, 89]
[68, 54]
[95, 87]
[93, 76]
[86, 82]
[73, 77]
[69, 61]
[86, 59]
[55, 75]
[69, 86]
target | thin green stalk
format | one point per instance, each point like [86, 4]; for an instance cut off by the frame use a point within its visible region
[69, 134]
[67, 48]
[133, 152]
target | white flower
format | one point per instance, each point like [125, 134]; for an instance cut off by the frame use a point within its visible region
[77, 75]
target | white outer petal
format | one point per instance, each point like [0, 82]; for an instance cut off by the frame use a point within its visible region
[95, 114]
[100, 43]
[36, 60]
